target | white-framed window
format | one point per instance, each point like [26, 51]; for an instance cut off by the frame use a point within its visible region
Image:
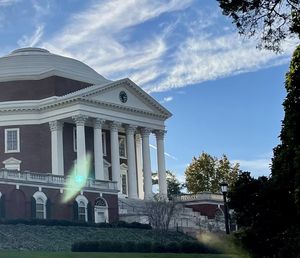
[104, 143]
[124, 179]
[40, 205]
[12, 140]
[82, 202]
[101, 210]
[124, 184]
[122, 147]
[81, 211]
[12, 163]
[74, 139]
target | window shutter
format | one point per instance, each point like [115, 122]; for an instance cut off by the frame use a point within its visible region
[90, 212]
[33, 208]
[2, 206]
[75, 210]
[48, 209]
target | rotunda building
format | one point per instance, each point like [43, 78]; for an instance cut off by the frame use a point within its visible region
[71, 141]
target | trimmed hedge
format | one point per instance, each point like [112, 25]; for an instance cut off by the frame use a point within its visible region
[53, 222]
[142, 247]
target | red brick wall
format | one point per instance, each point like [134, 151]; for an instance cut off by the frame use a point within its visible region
[39, 89]
[18, 202]
[35, 147]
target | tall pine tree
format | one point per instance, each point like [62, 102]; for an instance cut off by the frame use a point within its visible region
[286, 161]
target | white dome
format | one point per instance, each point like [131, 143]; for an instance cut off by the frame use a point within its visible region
[38, 63]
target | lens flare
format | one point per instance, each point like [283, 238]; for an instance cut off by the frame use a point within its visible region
[77, 178]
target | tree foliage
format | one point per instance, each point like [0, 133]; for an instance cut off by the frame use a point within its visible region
[268, 210]
[271, 20]
[286, 161]
[205, 173]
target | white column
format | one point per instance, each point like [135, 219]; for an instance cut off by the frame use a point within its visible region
[147, 163]
[139, 165]
[80, 142]
[162, 181]
[132, 182]
[57, 153]
[98, 149]
[115, 154]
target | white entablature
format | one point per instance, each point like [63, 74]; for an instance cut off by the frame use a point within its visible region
[99, 101]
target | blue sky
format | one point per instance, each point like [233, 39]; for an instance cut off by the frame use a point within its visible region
[225, 95]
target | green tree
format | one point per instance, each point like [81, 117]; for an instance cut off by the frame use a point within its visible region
[271, 20]
[268, 210]
[205, 173]
[286, 161]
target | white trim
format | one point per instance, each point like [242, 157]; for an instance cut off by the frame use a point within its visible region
[82, 198]
[12, 163]
[18, 140]
[125, 143]
[41, 195]
[102, 209]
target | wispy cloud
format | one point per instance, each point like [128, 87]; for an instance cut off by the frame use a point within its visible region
[31, 41]
[207, 57]
[166, 154]
[8, 2]
[104, 36]
[167, 99]
[257, 167]
[101, 37]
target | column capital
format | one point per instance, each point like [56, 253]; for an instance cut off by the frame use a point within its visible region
[98, 122]
[55, 125]
[160, 134]
[145, 132]
[114, 126]
[130, 129]
[80, 119]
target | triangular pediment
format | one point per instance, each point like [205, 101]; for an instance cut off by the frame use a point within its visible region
[125, 93]
[12, 161]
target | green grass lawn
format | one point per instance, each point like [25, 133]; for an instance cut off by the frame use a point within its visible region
[27, 254]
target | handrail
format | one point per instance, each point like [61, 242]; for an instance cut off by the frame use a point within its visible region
[58, 180]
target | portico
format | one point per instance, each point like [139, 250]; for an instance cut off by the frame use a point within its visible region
[65, 123]
[133, 155]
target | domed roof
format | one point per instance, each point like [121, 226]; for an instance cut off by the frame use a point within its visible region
[38, 63]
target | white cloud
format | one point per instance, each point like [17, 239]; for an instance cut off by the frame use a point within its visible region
[31, 41]
[167, 99]
[257, 167]
[205, 57]
[8, 2]
[103, 36]
[98, 36]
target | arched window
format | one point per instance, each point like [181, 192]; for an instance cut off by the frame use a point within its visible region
[219, 215]
[40, 205]
[82, 202]
[101, 210]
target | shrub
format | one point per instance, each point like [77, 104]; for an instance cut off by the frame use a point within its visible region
[141, 247]
[144, 247]
[158, 247]
[130, 246]
[85, 246]
[172, 247]
[54, 222]
[105, 246]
